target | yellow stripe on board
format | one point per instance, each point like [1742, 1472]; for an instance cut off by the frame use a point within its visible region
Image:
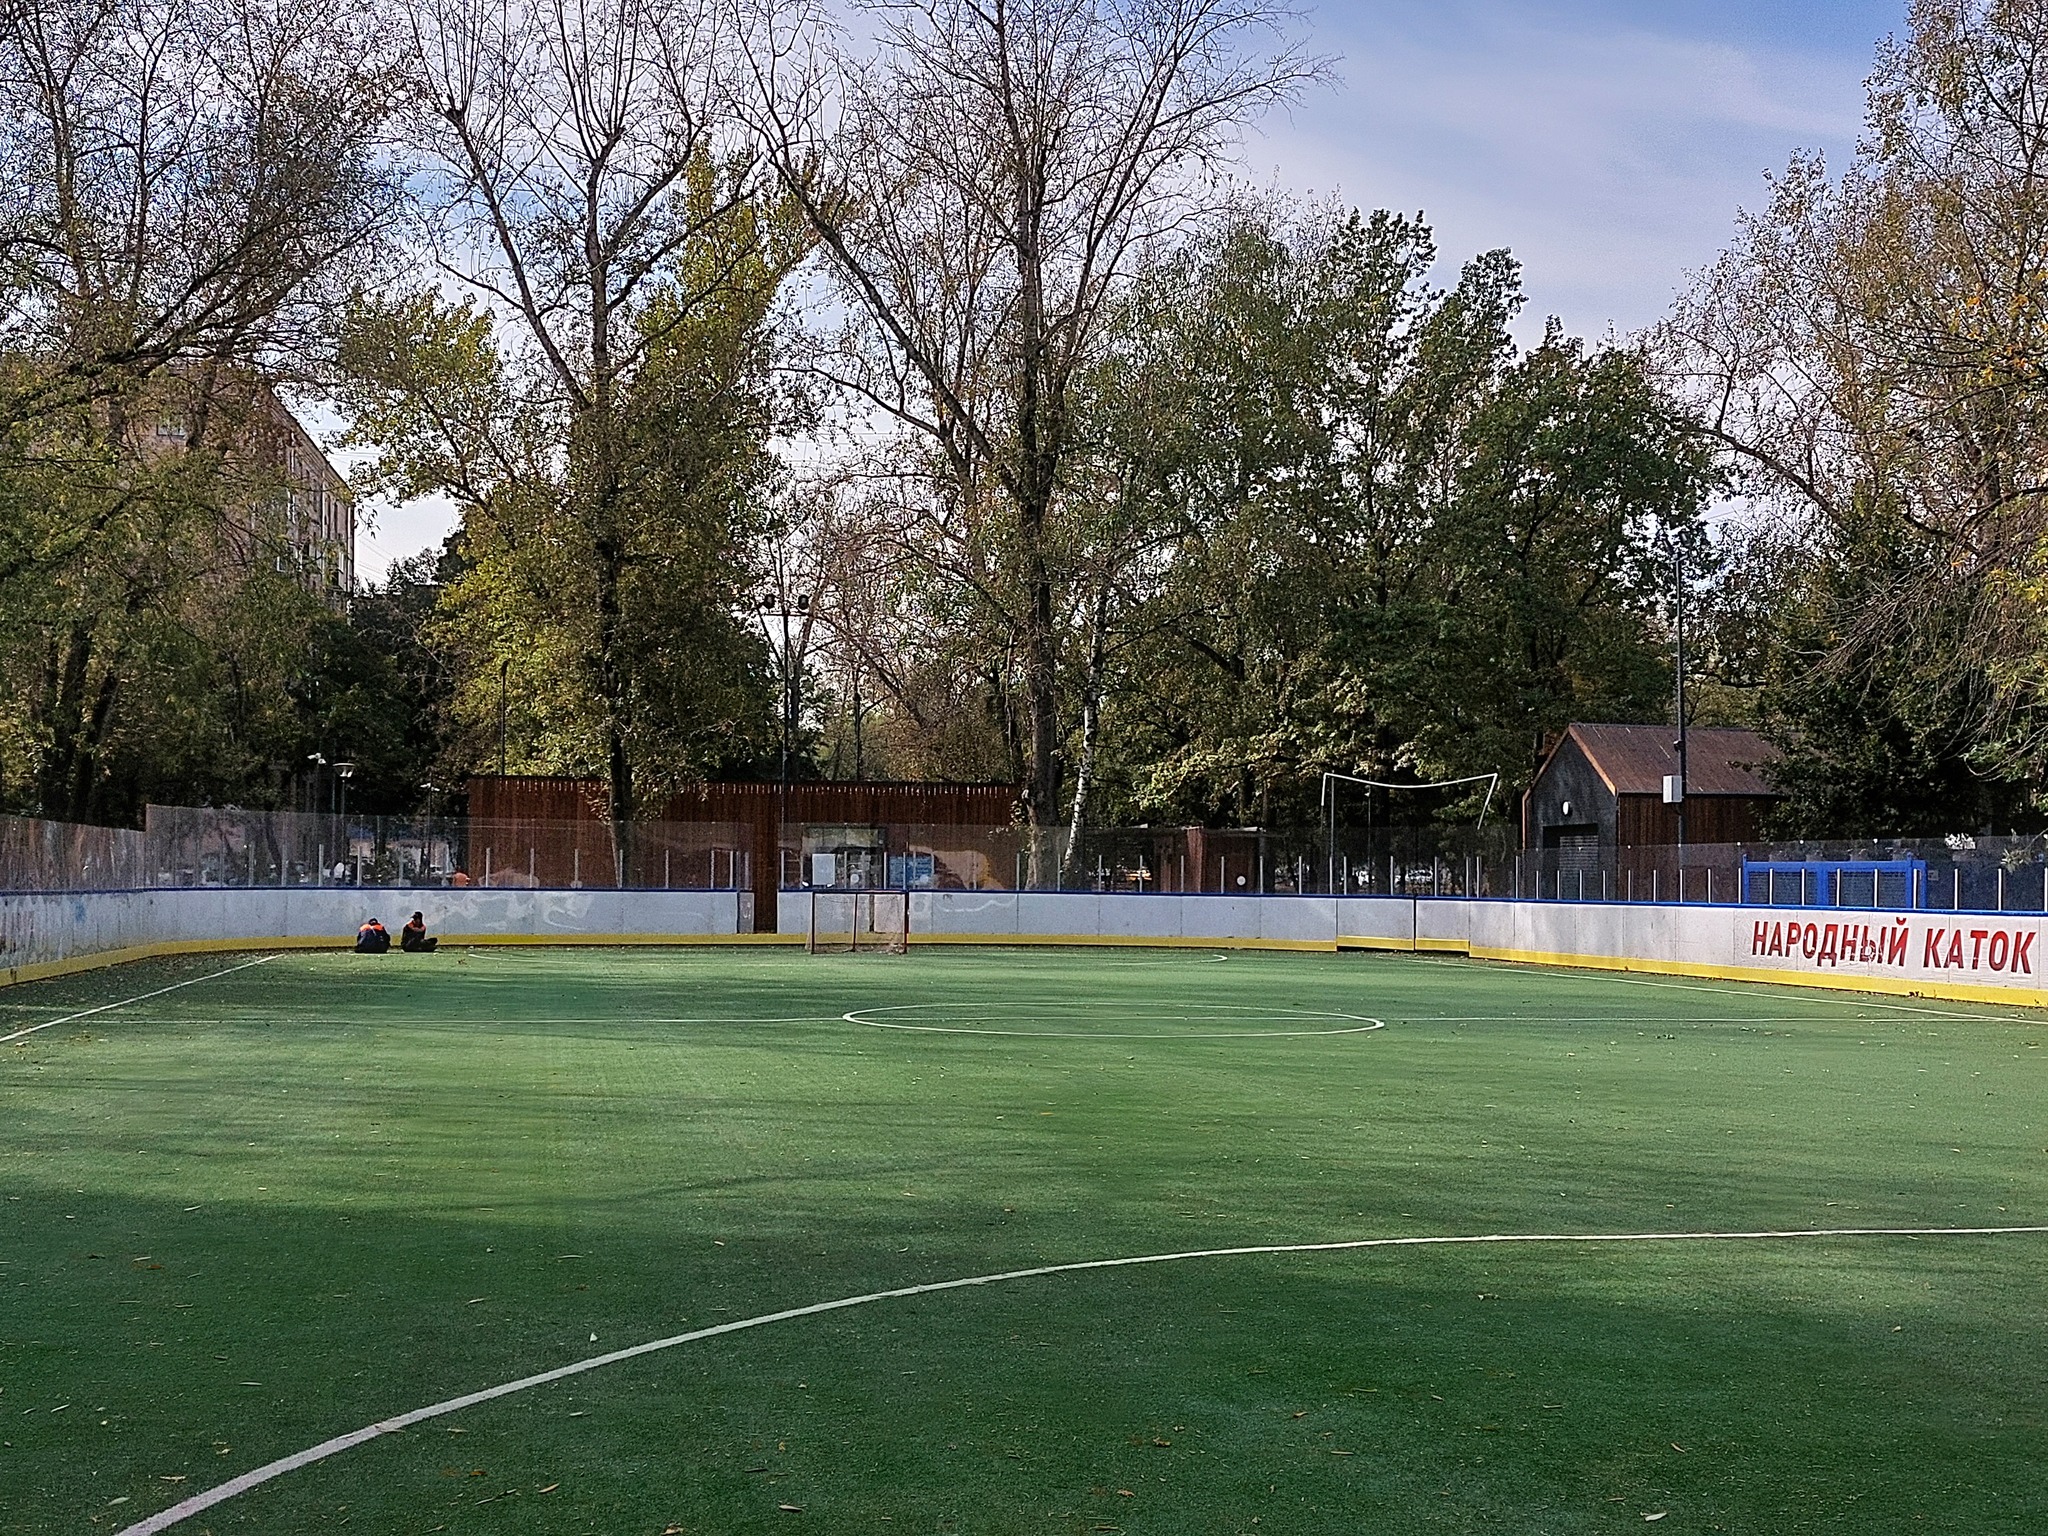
[1886, 986]
[46, 970]
[1121, 941]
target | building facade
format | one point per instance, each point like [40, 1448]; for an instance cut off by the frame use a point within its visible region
[288, 506]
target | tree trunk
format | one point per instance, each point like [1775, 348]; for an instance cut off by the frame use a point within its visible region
[1091, 716]
[611, 691]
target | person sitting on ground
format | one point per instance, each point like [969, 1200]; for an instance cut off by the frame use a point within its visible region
[412, 938]
[372, 938]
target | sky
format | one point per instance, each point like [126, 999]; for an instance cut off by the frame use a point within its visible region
[1608, 143]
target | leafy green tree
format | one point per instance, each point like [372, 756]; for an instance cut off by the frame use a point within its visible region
[1385, 538]
[615, 638]
[1868, 355]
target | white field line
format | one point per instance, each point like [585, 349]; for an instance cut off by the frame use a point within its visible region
[140, 997]
[256, 1477]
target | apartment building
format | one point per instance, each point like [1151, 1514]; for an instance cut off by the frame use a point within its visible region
[296, 512]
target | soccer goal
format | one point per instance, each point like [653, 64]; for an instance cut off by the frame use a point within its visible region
[852, 921]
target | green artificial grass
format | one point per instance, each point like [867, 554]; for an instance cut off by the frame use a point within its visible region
[262, 1210]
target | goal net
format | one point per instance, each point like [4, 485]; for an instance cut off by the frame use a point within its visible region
[848, 922]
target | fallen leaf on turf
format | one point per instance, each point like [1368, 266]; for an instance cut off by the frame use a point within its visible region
[1125, 1493]
[1678, 1448]
[551, 1487]
[1658, 1516]
[791, 1509]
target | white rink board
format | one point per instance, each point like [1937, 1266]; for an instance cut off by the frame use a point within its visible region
[1980, 957]
[55, 929]
[1969, 956]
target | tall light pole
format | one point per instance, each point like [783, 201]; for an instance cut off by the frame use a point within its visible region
[786, 625]
[504, 675]
[1671, 548]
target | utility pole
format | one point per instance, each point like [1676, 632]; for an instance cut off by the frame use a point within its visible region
[504, 675]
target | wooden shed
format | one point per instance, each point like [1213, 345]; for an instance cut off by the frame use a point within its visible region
[1601, 790]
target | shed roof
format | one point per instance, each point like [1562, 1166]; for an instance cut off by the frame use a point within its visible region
[1633, 759]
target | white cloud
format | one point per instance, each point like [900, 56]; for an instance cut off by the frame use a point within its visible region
[1611, 159]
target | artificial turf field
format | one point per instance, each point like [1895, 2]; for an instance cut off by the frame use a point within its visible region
[274, 1206]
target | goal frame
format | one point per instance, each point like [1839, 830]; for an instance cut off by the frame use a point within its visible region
[867, 927]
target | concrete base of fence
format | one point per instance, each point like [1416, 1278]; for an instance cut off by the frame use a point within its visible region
[1978, 958]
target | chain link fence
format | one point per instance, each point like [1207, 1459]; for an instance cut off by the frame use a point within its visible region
[218, 847]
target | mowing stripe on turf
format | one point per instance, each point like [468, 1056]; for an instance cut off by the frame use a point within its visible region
[256, 1477]
[140, 997]
[1739, 989]
[1359, 1024]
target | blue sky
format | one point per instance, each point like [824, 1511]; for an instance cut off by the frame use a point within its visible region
[1608, 144]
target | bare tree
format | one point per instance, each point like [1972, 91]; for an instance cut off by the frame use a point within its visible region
[185, 180]
[590, 181]
[984, 185]
[1872, 355]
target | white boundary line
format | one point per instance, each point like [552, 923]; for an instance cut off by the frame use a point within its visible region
[256, 1477]
[1364, 1025]
[140, 997]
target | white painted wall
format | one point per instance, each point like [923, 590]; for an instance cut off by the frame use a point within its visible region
[1090, 918]
[38, 930]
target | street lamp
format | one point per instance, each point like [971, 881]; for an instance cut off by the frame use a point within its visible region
[784, 624]
[1674, 788]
